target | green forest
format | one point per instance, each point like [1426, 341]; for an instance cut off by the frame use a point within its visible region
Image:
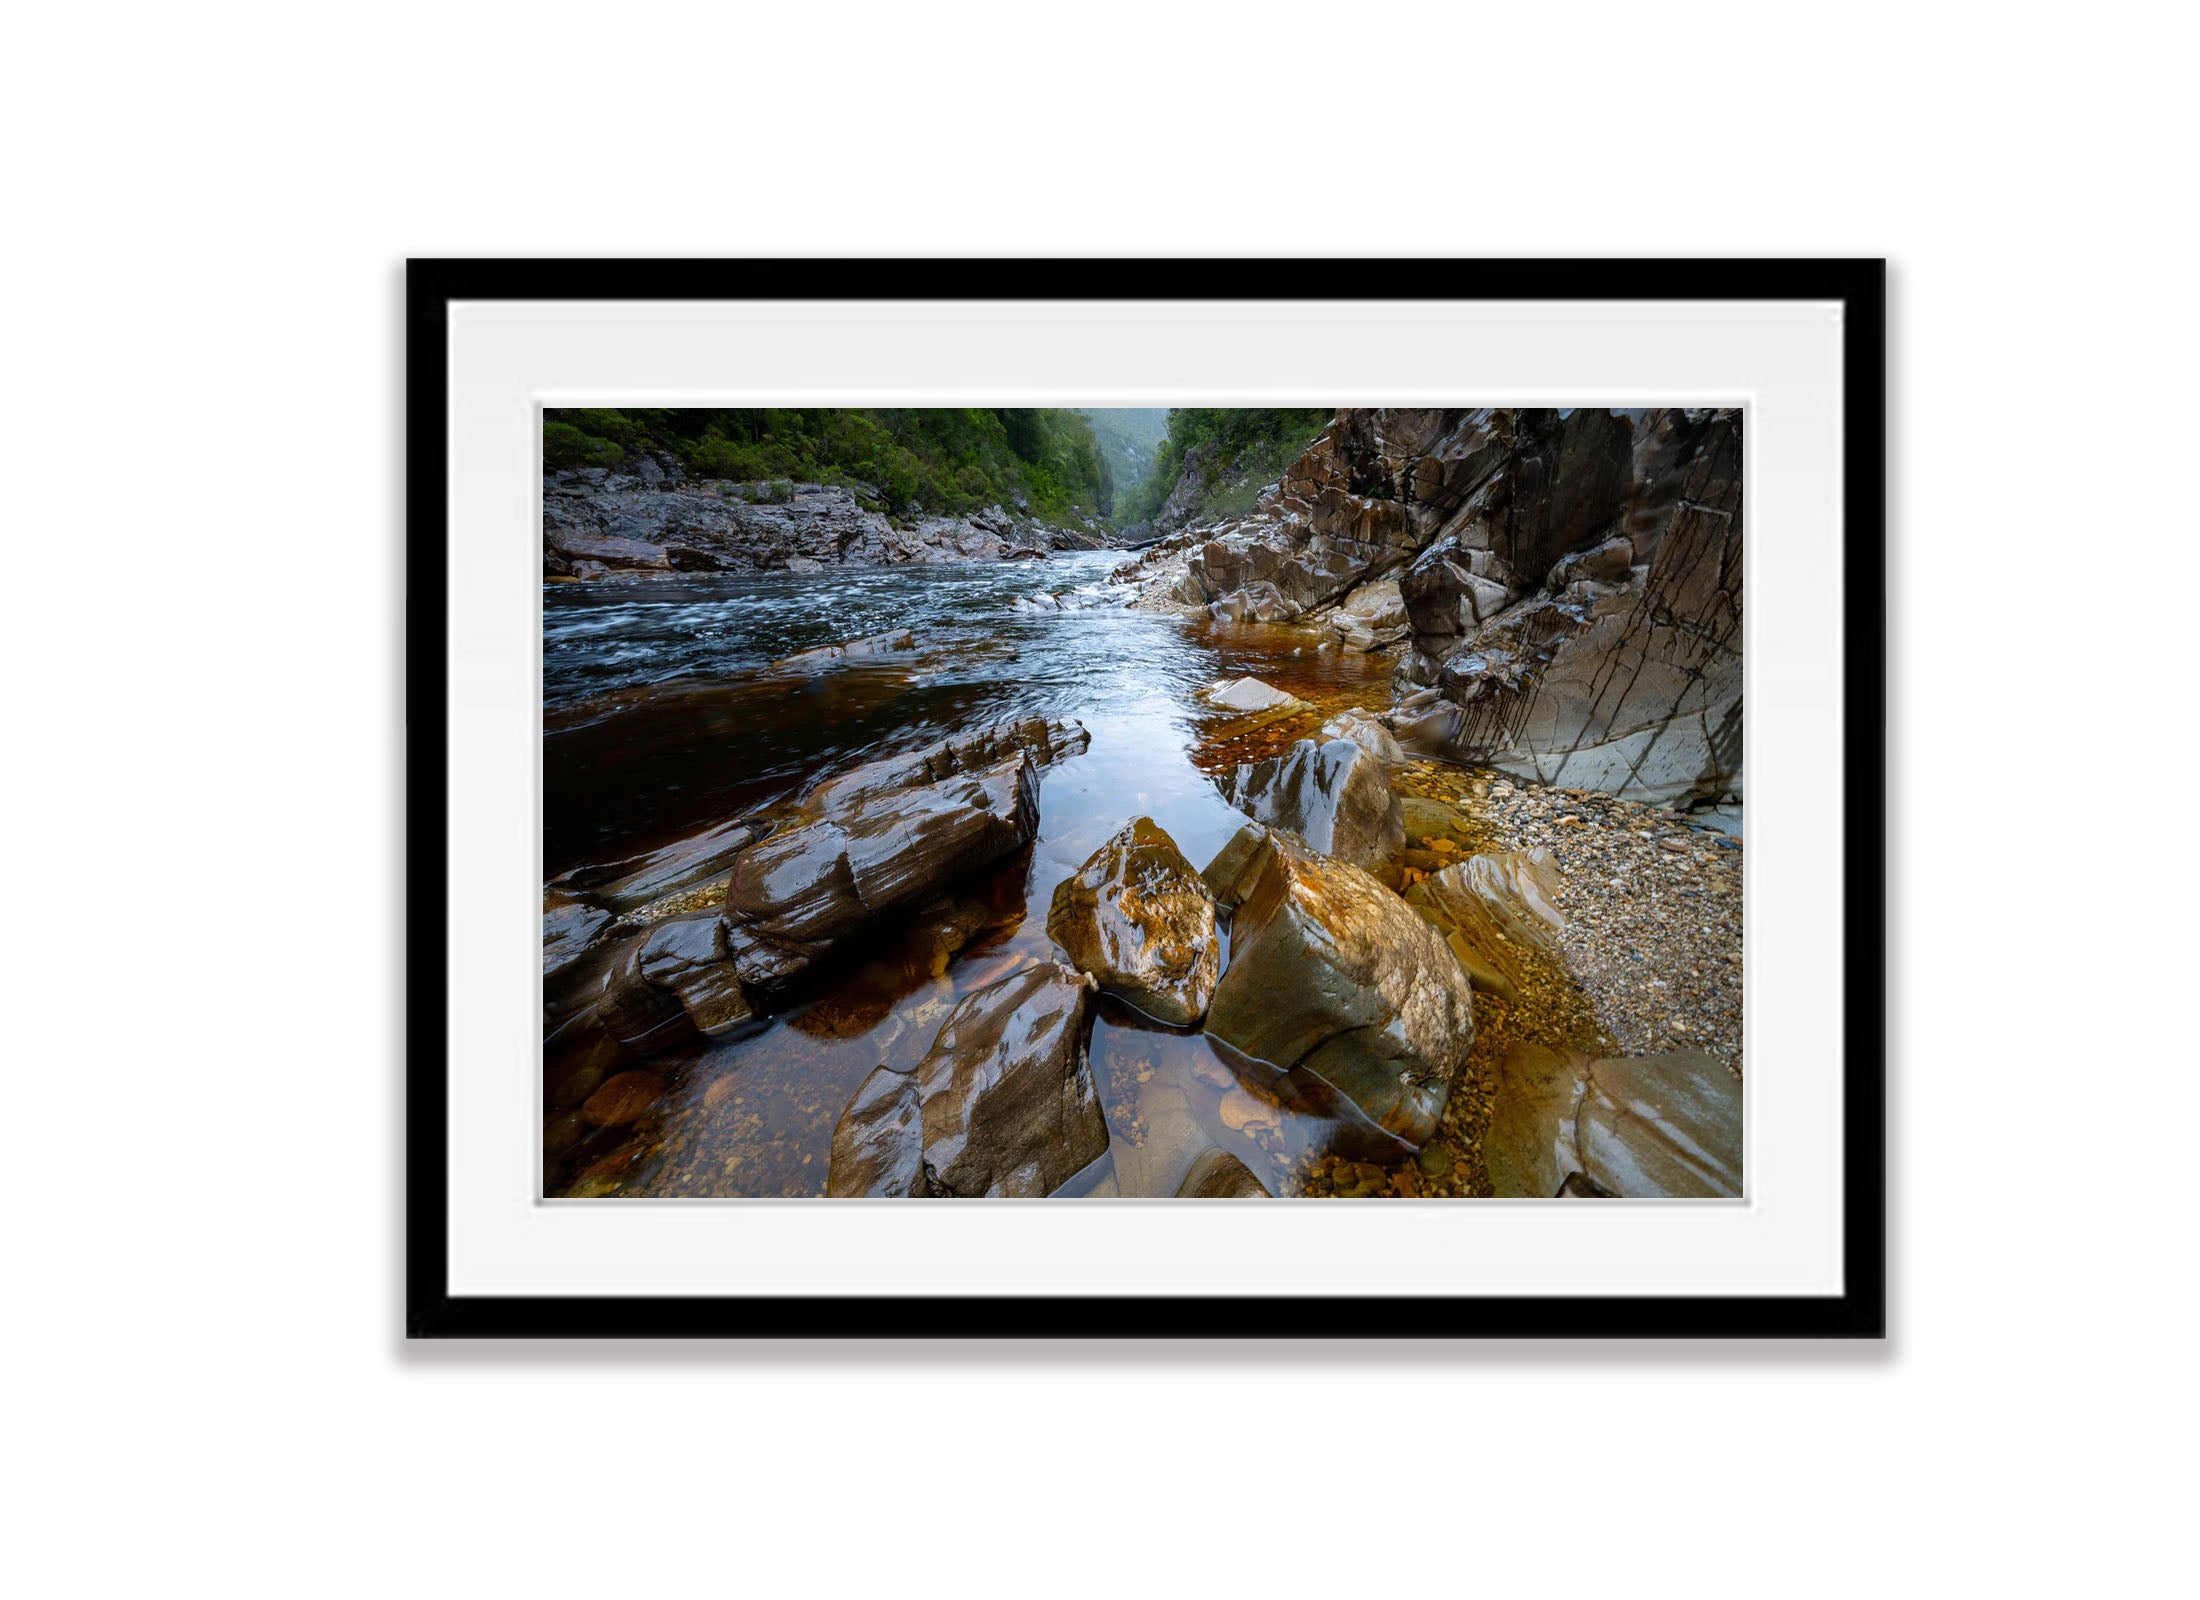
[938, 459]
[1246, 450]
[1053, 463]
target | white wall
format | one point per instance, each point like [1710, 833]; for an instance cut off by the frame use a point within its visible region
[207, 210]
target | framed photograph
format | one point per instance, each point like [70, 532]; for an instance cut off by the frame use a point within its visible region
[1233, 769]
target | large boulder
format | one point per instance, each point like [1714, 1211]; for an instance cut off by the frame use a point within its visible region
[1002, 1104]
[1650, 1127]
[1335, 796]
[1009, 1106]
[1334, 978]
[1372, 616]
[1137, 918]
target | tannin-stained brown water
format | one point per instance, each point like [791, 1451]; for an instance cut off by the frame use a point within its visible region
[664, 714]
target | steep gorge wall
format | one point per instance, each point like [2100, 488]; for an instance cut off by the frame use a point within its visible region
[1572, 583]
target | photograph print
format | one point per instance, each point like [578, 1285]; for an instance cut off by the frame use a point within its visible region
[1196, 803]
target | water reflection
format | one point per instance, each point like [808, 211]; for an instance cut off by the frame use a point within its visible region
[665, 714]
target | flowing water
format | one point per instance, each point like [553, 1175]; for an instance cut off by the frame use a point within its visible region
[664, 714]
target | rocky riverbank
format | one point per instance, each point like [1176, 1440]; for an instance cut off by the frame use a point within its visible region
[1247, 907]
[654, 522]
[1564, 586]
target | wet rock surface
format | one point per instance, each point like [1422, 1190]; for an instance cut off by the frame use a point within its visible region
[1332, 976]
[1005, 1103]
[1335, 796]
[1138, 918]
[1652, 1127]
[798, 894]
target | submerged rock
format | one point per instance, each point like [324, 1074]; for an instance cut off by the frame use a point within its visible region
[1333, 976]
[1649, 1127]
[1139, 919]
[1219, 1175]
[1335, 796]
[1002, 1104]
[1250, 694]
[877, 644]
[842, 794]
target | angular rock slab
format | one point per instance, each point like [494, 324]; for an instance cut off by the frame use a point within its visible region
[1364, 730]
[1138, 918]
[1502, 910]
[798, 894]
[1649, 1127]
[844, 793]
[1333, 976]
[1335, 796]
[673, 983]
[635, 882]
[1008, 1102]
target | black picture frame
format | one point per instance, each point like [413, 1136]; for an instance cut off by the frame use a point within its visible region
[432, 1311]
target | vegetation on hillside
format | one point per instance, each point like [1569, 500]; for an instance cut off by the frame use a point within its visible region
[937, 459]
[1241, 450]
[1128, 437]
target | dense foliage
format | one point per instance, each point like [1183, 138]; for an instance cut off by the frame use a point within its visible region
[1240, 450]
[1128, 437]
[936, 459]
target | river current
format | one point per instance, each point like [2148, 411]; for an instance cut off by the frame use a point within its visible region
[664, 714]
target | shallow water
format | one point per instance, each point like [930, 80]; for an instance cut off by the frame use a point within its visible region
[665, 714]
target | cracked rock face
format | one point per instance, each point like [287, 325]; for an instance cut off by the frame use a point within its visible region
[1649, 1127]
[1571, 581]
[1334, 978]
[1137, 918]
[1335, 796]
[1623, 672]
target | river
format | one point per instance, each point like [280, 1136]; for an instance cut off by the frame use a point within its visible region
[664, 714]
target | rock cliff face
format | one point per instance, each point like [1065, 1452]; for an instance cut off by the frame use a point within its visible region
[1570, 582]
[596, 523]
